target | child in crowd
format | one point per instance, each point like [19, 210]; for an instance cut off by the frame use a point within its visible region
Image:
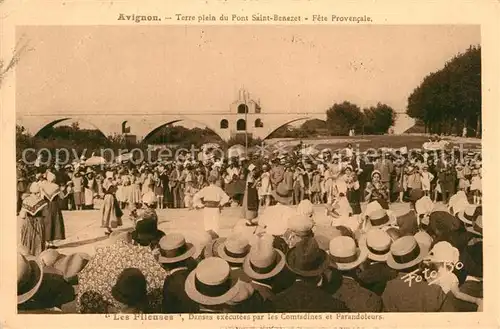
[189, 193]
[475, 187]
[425, 179]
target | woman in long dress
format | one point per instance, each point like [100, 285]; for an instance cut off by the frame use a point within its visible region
[54, 222]
[265, 186]
[376, 190]
[353, 193]
[213, 199]
[134, 193]
[33, 213]
[111, 212]
[90, 189]
[250, 205]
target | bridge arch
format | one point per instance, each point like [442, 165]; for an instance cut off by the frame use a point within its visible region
[281, 125]
[149, 134]
[54, 122]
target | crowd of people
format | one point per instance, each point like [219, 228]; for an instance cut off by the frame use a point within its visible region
[287, 257]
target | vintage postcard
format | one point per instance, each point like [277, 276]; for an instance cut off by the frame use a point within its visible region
[307, 164]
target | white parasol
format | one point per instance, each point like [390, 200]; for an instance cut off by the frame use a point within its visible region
[124, 157]
[95, 161]
[236, 151]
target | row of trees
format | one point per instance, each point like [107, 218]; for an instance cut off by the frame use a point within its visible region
[450, 99]
[376, 120]
[340, 119]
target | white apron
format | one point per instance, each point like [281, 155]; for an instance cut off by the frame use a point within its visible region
[211, 217]
[89, 197]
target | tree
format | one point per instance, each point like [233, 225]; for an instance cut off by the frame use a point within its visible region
[450, 99]
[313, 126]
[378, 119]
[340, 118]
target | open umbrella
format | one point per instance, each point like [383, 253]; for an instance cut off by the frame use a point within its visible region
[236, 151]
[95, 161]
[124, 157]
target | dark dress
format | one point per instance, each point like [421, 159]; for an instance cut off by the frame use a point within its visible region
[54, 222]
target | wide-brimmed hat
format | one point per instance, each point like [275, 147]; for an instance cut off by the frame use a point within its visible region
[29, 277]
[264, 261]
[405, 253]
[149, 198]
[210, 249]
[470, 213]
[146, 231]
[377, 244]
[380, 218]
[305, 207]
[300, 224]
[458, 202]
[443, 252]
[234, 249]
[282, 196]
[307, 259]
[174, 248]
[70, 265]
[211, 283]
[423, 238]
[344, 254]
[477, 226]
[416, 194]
[130, 288]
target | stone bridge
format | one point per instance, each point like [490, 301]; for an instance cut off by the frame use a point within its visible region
[142, 125]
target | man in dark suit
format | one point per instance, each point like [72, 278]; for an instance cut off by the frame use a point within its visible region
[178, 263]
[346, 260]
[405, 293]
[308, 262]
[359, 167]
[407, 223]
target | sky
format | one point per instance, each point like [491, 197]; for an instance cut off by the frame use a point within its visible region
[152, 69]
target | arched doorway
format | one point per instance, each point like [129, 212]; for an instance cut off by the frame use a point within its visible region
[224, 124]
[242, 109]
[258, 123]
[241, 125]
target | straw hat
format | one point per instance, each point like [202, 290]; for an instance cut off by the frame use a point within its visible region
[174, 248]
[477, 227]
[380, 218]
[149, 198]
[423, 238]
[29, 277]
[264, 261]
[307, 259]
[377, 244]
[470, 213]
[344, 254]
[305, 208]
[210, 283]
[406, 252]
[443, 252]
[300, 225]
[234, 249]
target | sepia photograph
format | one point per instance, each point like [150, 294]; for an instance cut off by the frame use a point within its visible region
[307, 171]
[248, 169]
